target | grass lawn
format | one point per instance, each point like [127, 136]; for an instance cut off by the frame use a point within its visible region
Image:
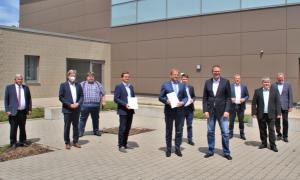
[4, 148]
[198, 114]
[36, 113]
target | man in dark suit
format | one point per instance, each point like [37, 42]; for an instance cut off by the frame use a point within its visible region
[17, 102]
[71, 97]
[266, 108]
[176, 113]
[239, 96]
[189, 108]
[286, 101]
[123, 91]
[216, 107]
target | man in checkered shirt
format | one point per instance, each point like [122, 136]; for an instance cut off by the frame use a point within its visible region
[93, 97]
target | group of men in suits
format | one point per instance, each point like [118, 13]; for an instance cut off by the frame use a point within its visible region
[222, 102]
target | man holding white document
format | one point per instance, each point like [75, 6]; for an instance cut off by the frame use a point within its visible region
[173, 95]
[125, 98]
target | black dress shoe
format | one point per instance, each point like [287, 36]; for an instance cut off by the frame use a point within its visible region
[279, 137]
[207, 155]
[243, 137]
[191, 143]
[228, 157]
[97, 133]
[274, 149]
[14, 146]
[122, 149]
[80, 134]
[178, 153]
[285, 140]
[168, 154]
[262, 146]
[230, 136]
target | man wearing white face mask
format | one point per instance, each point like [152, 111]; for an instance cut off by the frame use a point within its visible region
[71, 97]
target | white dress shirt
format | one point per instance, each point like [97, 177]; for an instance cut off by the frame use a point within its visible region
[73, 92]
[266, 93]
[190, 100]
[23, 103]
[215, 86]
[127, 89]
[237, 90]
[280, 87]
[175, 87]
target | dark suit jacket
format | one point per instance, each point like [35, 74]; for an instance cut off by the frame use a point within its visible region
[273, 104]
[286, 97]
[167, 88]
[120, 97]
[11, 100]
[191, 107]
[244, 94]
[221, 102]
[65, 97]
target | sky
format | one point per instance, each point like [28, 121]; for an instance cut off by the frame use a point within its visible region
[9, 12]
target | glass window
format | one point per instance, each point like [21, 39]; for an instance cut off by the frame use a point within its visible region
[210, 6]
[123, 14]
[151, 10]
[293, 1]
[177, 8]
[119, 1]
[260, 3]
[31, 68]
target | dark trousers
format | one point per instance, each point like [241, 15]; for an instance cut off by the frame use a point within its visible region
[124, 128]
[177, 115]
[264, 124]
[85, 111]
[237, 111]
[71, 118]
[285, 124]
[189, 116]
[19, 120]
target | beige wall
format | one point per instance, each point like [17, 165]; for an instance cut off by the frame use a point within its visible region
[150, 50]
[53, 52]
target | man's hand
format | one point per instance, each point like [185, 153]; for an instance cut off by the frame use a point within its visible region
[127, 106]
[254, 116]
[226, 114]
[242, 100]
[290, 109]
[206, 115]
[168, 102]
[29, 113]
[278, 116]
[103, 104]
[8, 113]
[233, 100]
[74, 106]
[180, 104]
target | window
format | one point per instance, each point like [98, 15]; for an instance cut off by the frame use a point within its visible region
[293, 1]
[120, 1]
[259, 3]
[149, 10]
[31, 68]
[211, 6]
[123, 14]
[82, 66]
[177, 8]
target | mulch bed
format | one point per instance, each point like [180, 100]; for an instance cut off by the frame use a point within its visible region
[133, 131]
[20, 152]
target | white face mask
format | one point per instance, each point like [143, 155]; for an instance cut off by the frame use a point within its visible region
[71, 78]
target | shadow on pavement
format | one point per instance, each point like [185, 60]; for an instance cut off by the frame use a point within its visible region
[204, 150]
[34, 140]
[173, 149]
[82, 142]
[132, 145]
[253, 143]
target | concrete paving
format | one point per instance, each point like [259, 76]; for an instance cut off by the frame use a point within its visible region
[99, 157]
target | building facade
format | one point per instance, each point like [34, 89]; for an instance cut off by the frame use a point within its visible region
[149, 37]
[44, 58]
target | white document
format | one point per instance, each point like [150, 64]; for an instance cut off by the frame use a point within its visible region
[133, 103]
[190, 101]
[237, 101]
[173, 99]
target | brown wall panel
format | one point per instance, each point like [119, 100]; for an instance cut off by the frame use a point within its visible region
[151, 49]
[268, 41]
[124, 34]
[149, 85]
[183, 47]
[103, 33]
[268, 65]
[293, 14]
[121, 66]
[124, 51]
[223, 44]
[293, 66]
[185, 65]
[220, 23]
[293, 41]
[151, 68]
[149, 31]
[184, 27]
[295, 82]
[266, 19]
[198, 84]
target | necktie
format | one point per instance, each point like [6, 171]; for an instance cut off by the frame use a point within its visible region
[19, 97]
